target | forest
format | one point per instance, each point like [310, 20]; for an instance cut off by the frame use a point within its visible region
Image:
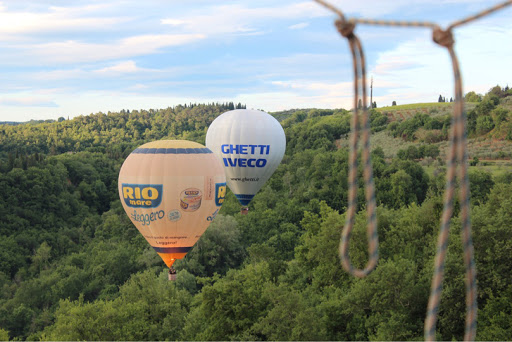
[73, 266]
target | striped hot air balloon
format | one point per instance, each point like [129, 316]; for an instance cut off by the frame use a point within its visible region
[172, 190]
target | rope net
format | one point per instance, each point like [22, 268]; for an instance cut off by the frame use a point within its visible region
[457, 155]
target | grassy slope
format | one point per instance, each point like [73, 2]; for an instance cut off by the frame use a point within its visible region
[491, 149]
[392, 145]
[404, 112]
[483, 147]
[495, 155]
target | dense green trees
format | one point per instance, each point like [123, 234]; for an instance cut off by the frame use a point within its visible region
[490, 115]
[407, 129]
[147, 308]
[114, 134]
[423, 151]
[73, 267]
[218, 250]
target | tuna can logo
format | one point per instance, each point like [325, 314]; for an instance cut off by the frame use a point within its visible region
[142, 195]
[190, 199]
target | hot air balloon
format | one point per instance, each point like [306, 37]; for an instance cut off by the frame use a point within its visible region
[250, 145]
[172, 190]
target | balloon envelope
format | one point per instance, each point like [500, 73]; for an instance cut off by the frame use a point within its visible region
[172, 190]
[250, 145]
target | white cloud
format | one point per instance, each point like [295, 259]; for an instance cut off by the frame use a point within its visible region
[138, 87]
[54, 75]
[121, 67]
[298, 26]
[326, 88]
[115, 71]
[56, 19]
[307, 94]
[24, 100]
[418, 70]
[484, 56]
[229, 19]
[276, 101]
[172, 22]
[72, 51]
[393, 64]
[379, 9]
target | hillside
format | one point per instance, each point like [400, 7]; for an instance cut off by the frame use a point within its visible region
[73, 266]
[427, 123]
[10, 123]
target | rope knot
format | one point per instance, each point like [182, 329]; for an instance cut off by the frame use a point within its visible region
[345, 28]
[443, 38]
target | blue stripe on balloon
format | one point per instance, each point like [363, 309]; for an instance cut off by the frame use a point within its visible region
[204, 150]
[244, 199]
[172, 249]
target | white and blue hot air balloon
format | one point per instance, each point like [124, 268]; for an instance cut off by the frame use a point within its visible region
[250, 145]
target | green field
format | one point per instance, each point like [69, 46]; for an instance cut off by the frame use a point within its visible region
[416, 106]
[434, 109]
[496, 168]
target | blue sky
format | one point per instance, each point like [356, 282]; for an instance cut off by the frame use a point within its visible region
[69, 58]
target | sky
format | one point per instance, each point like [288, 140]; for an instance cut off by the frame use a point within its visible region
[66, 58]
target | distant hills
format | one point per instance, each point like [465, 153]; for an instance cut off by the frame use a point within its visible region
[32, 122]
[13, 123]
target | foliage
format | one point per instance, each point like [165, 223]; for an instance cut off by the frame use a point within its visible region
[73, 266]
[490, 116]
[147, 308]
[378, 121]
[407, 129]
[472, 97]
[218, 250]
[423, 151]
[426, 105]
[115, 134]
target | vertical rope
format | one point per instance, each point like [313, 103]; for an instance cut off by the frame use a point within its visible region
[464, 198]
[457, 153]
[347, 30]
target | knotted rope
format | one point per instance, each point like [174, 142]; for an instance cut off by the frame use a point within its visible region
[347, 31]
[457, 154]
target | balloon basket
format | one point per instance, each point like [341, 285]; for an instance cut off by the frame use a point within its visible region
[244, 211]
[172, 274]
